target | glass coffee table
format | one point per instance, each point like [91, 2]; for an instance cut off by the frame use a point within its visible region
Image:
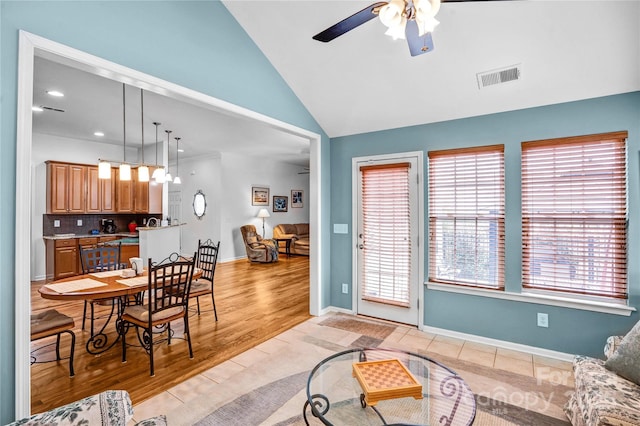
[387, 387]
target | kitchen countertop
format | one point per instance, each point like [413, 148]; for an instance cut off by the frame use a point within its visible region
[155, 228]
[102, 234]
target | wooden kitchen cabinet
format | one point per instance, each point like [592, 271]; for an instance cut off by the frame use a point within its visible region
[125, 194]
[61, 258]
[148, 195]
[66, 191]
[101, 193]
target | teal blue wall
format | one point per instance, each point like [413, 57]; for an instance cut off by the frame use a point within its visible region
[195, 44]
[570, 330]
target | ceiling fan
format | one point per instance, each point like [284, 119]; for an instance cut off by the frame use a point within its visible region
[410, 19]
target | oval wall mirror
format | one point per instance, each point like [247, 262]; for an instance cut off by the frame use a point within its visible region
[199, 204]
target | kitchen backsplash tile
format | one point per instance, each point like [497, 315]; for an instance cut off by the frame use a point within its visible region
[69, 223]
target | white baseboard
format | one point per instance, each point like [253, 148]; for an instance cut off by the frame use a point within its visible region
[534, 350]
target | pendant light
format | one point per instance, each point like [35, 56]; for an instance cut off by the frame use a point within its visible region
[125, 169]
[104, 169]
[177, 179]
[143, 170]
[167, 176]
[158, 173]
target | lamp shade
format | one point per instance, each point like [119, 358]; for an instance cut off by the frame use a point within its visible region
[125, 172]
[143, 174]
[104, 170]
[177, 180]
[263, 213]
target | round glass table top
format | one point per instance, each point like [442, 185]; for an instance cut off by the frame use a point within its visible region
[387, 387]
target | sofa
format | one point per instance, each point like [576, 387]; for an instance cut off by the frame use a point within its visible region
[108, 408]
[601, 396]
[299, 234]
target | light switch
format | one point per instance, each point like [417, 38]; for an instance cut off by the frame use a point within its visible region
[56, 223]
[340, 228]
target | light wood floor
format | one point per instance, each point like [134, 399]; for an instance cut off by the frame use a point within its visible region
[254, 302]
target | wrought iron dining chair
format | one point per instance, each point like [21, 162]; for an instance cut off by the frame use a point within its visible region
[168, 298]
[98, 259]
[53, 323]
[206, 261]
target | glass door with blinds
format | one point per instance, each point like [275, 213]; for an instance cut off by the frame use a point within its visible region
[387, 237]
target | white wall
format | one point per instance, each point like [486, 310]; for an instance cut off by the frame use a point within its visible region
[239, 174]
[202, 173]
[48, 147]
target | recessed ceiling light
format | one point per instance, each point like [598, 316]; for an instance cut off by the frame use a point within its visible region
[36, 109]
[55, 93]
[98, 134]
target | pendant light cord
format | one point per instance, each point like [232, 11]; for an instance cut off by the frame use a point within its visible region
[142, 121]
[124, 126]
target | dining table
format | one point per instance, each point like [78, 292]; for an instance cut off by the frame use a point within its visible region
[121, 287]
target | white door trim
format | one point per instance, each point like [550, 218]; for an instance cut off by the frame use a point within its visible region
[31, 45]
[420, 218]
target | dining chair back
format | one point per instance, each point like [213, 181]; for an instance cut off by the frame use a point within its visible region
[206, 261]
[53, 323]
[98, 259]
[169, 282]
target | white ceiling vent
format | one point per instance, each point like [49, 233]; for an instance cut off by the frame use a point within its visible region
[499, 76]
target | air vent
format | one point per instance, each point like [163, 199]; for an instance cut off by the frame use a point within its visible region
[503, 75]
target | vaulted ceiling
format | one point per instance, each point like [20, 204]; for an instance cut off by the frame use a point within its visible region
[364, 81]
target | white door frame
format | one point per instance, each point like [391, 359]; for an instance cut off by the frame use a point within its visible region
[31, 45]
[420, 218]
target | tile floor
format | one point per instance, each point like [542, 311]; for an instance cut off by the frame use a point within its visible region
[404, 338]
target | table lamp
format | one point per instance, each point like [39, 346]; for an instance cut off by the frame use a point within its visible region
[262, 214]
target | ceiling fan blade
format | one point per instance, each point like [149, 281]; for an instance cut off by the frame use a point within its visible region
[349, 23]
[417, 45]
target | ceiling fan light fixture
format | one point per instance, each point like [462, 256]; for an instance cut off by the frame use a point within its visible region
[392, 14]
[397, 31]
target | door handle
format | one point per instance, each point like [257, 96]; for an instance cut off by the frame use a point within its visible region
[360, 246]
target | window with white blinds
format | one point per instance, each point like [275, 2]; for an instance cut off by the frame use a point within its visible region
[386, 227]
[574, 215]
[466, 216]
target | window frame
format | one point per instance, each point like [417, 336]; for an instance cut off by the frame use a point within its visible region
[567, 269]
[438, 213]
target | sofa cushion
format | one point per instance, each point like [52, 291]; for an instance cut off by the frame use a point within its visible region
[111, 407]
[302, 229]
[601, 396]
[625, 361]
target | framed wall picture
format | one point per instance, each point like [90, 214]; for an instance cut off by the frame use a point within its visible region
[296, 198]
[280, 203]
[259, 196]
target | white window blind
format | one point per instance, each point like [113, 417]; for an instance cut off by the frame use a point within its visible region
[574, 215]
[386, 233]
[466, 216]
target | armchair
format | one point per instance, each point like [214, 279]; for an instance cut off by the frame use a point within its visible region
[258, 249]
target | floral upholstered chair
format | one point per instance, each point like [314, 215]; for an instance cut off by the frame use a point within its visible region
[108, 408]
[258, 249]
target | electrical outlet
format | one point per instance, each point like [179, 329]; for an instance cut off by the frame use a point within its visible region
[56, 223]
[543, 320]
[345, 288]
[79, 222]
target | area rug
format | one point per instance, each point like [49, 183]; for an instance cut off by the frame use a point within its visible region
[279, 393]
